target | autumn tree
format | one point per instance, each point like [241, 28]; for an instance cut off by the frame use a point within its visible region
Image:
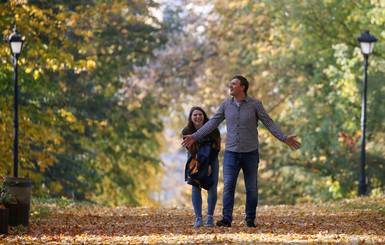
[77, 55]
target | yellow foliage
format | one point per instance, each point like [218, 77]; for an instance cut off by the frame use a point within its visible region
[295, 43]
[36, 74]
[322, 159]
[207, 90]
[91, 64]
[358, 133]
[67, 115]
[55, 186]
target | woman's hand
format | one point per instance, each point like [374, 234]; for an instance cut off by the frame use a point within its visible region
[209, 171]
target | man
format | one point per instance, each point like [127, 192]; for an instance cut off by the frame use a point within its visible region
[242, 114]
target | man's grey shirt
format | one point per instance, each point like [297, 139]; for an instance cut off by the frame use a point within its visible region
[242, 124]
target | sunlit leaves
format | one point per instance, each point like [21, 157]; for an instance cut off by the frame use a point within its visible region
[349, 221]
[37, 144]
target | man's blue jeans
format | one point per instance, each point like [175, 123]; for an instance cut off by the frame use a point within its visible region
[233, 162]
[196, 194]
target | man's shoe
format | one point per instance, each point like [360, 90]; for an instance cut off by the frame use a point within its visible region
[224, 222]
[209, 221]
[250, 223]
[198, 222]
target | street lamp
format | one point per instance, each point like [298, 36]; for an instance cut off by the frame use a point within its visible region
[367, 44]
[20, 187]
[15, 42]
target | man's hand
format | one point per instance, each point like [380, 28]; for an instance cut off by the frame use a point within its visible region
[188, 141]
[290, 141]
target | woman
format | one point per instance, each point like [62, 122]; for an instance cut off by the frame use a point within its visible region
[197, 118]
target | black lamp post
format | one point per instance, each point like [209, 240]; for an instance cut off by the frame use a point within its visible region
[367, 44]
[15, 42]
[20, 187]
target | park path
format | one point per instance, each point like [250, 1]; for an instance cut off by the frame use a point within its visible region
[342, 223]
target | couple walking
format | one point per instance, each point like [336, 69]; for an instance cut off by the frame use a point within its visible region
[241, 151]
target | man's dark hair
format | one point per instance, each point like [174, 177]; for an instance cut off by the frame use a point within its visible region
[243, 82]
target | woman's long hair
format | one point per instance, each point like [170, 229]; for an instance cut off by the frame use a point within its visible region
[215, 135]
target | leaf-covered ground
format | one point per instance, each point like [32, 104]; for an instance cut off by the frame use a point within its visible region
[358, 221]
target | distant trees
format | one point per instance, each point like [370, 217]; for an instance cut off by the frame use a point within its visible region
[304, 62]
